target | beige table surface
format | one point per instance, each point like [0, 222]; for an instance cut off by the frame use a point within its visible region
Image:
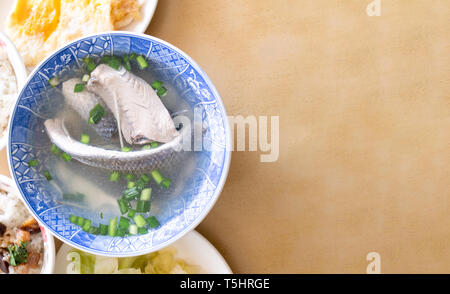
[364, 107]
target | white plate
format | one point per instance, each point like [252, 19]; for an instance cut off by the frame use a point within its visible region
[147, 11]
[193, 248]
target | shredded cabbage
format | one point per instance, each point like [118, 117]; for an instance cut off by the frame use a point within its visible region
[160, 262]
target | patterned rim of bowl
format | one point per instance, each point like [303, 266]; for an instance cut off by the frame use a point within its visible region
[113, 244]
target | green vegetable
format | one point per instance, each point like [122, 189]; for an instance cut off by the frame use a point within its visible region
[112, 229]
[103, 229]
[55, 150]
[131, 193]
[79, 88]
[96, 114]
[142, 231]
[115, 62]
[153, 222]
[146, 194]
[133, 229]
[162, 92]
[85, 78]
[133, 56]
[18, 254]
[114, 176]
[85, 139]
[130, 185]
[154, 144]
[143, 206]
[146, 147]
[131, 213]
[126, 63]
[166, 183]
[90, 65]
[66, 157]
[157, 84]
[129, 177]
[157, 176]
[86, 225]
[33, 162]
[121, 232]
[139, 220]
[145, 178]
[124, 223]
[73, 219]
[54, 82]
[47, 175]
[80, 221]
[142, 62]
[94, 231]
[105, 59]
[126, 149]
[123, 205]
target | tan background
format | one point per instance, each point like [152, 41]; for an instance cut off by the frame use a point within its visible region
[364, 110]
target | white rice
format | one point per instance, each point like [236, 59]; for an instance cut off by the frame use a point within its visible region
[8, 89]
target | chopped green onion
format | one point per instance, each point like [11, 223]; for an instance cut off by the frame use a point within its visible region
[85, 78]
[140, 220]
[77, 197]
[123, 205]
[162, 92]
[146, 147]
[96, 114]
[133, 56]
[66, 157]
[101, 215]
[85, 139]
[146, 194]
[129, 177]
[141, 61]
[157, 176]
[114, 176]
[145, 178]
[131, 213]
[33, 162]
[80, 221]
[55, 150]
[105, 59]
[103, 229]
[94, 231]
[121, 232]
[90, 65]
[54, 82]
[154, 144]
[142, 231]
[124, 223]
[131, 193]
[47, 175]
[79, 88]
[153, 222]
[130, 185]
[115, 62]
[126, 149]
[73, 219]
[133, 229]
[157, 84]
[126, 63]
[86, 225]
[143, 206]
[166, 183]
[112, 229]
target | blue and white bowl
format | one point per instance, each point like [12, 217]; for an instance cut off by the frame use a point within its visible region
[27, 141]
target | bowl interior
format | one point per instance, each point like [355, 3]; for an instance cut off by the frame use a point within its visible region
[187, 204]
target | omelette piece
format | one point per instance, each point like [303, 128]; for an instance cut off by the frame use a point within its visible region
[38, 27]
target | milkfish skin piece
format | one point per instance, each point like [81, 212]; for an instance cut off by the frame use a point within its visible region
[143, 117]
[83, 102]
[161, 156]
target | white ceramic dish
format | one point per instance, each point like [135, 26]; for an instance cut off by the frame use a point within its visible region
[193, 248]
[147, 11]
[48, 265]
[19, 71]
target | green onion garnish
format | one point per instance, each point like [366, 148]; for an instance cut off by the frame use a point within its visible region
[114, 176]
[157, 176]
[133, 229]
[121, 232]
[85, 139]
[126, 63]
[131, 213]
[142, 231]
[143, 206]
[55, 150]
[126, 149]
[145, 178]
[140, 220]
[105, 59]
[85, 78]
[47, 175]
[166, 183]
[54, 82]
[157, 84]
[153, 222]
[130, 185]
[86, 225]
[79, 88]
[73, 219]
[66, 157]
[33, 162]
[162, 92]
[124, 223]
[112, 229]
[146, 194]
[131, 193]
[94, 231]
[96, 114]
[115, 62]
[123, 205]
[142, 62]
[129, 177]
[133, 56]
[154, 144]
[146, 147]
[103, 229]
[80, 221]
[90, 65]
[101, 215]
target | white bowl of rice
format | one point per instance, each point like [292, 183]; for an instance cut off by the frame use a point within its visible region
[13, 75]
[25, 246]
